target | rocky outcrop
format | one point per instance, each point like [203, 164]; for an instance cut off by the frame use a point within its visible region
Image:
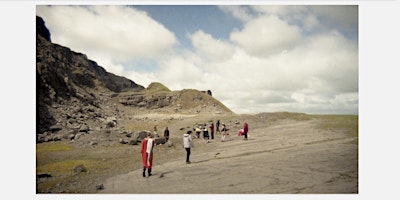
[41, 29]
[79, 101]
[70, 80]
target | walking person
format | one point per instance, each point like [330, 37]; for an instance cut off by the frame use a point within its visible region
[147, 154]
[166, 134]
[187, 143]
[245, 130]
[212, 130]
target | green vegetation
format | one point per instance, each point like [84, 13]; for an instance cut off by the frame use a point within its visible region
[157, 87]
[339, 122]
[52, 147]
[59, 159]
[294, 116]
[347, 123]
[64, 167]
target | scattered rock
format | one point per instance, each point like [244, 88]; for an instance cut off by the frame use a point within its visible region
[71, 136]
[169, 144]
[79, 169]
[84, 128]
[141, 135]
[133, 142]
[111, 122]
[160, 141]
[100, 187]
[55, 128]
[122, 141]
[43, 175]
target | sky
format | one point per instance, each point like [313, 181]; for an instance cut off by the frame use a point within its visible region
[254, 58]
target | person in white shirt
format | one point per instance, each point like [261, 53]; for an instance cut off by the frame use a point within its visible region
[187, 144]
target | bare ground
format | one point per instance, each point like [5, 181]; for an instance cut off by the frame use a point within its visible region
[282, 156]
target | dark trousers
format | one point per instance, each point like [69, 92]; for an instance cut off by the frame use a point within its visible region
[245, 135]
[187, 154]
[212, 135]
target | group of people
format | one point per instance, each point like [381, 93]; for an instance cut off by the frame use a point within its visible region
[187, 142]
[206, 135]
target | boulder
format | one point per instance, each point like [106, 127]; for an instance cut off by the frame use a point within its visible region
[43, 175]
[57, 137]
[111, 122]
[100, 187]
[84, 128]
[71, 136]
[159, 141]
[169, 144]
[133, 142]
[122, 141]
[141, 135]
[40, 138]
[79, 169]
[55, 128]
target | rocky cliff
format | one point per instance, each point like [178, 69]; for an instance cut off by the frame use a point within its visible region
[75, 95]
[64, 76]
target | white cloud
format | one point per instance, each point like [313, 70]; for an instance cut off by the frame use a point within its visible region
[113, 36]
[319, 74]
[266, 35]
[209, 48]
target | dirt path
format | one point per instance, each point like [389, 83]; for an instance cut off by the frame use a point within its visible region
[289, 157]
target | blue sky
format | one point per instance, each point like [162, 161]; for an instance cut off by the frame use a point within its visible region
[186, 19]
[254, 58]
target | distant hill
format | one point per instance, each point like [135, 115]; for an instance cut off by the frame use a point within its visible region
[75, 94]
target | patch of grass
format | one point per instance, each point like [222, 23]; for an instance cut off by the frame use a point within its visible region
[347, 123]
[294, 116]
[64, 167]
[52, 147]
[276, 116]
[157, 87]
[100, 162]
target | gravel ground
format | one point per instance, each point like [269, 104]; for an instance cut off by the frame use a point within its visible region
[282, 156]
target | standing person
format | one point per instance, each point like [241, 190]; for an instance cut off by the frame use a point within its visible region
[212, 130]
[147, 154]
[217, 124]
[187, 144]
[166, 134]
[155, 131]
[205, 134]
[223, 132]
[245, 130]
[198, 130]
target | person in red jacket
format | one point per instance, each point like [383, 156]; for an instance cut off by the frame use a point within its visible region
[147, 154]
[245, 130]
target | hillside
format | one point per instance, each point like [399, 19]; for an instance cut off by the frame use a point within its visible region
[76, 96]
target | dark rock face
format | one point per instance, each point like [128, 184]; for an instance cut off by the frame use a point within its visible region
[67, 77]
[41, 29]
